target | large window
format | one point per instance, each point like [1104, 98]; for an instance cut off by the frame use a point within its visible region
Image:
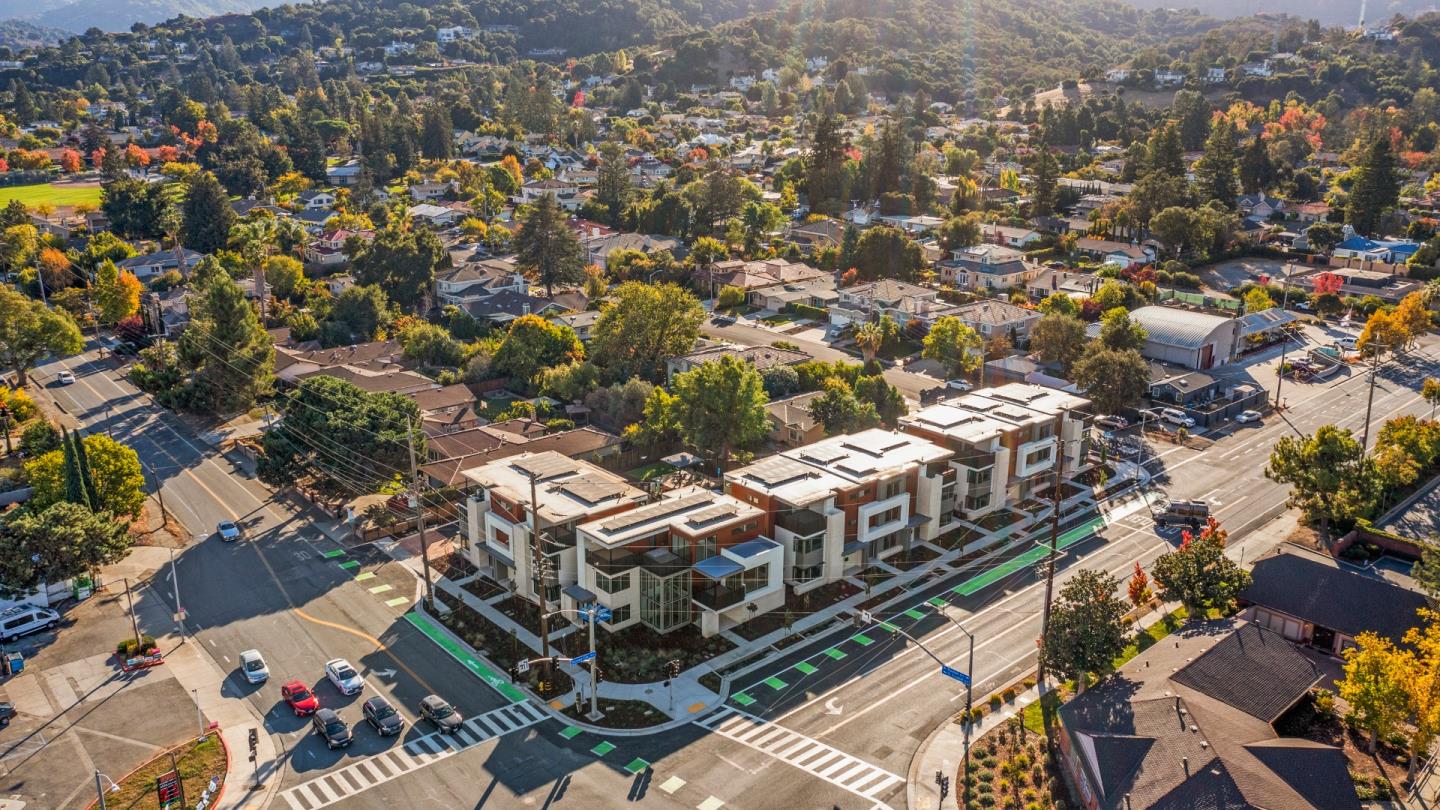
[978, 500]
[1039, 456]
[755, 578]
[888, 516]
[805, 573]
[979, 478]
[608, 584]
[619, 615]
[502, 539]
[809, 545]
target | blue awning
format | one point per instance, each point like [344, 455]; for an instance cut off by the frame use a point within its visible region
[578, 593]
[718, 567]
[750, 548]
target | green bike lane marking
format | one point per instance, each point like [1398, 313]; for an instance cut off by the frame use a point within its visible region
[350, 565]
[333, 553]
[966, 588]
[466, 659]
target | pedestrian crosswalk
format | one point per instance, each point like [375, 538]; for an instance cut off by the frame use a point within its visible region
[810, 755]
[360, 776]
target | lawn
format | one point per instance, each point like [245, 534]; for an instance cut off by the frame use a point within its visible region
[646, 472]
[197, 765]
[51, 194]
[781, 318]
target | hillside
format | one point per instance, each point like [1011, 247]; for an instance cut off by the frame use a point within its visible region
[20, 34]
[1336, 12]
[116, 15]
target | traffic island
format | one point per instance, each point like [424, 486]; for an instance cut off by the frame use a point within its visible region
[626, 714]
[186, 773]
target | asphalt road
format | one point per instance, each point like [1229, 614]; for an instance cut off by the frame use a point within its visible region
[839, 732]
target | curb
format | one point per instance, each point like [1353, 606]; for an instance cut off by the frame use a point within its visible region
[215, 802]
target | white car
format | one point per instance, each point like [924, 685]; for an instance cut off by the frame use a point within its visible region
[1246, 417]
[253, 665]
[1175, 416]
[66, 377]
[1347, 342]
[958, 385]
[344, 676]
[228, 531]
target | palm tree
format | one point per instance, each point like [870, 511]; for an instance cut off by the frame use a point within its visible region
[869, 338]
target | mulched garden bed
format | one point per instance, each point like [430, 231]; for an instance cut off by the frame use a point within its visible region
[525, 613]
[453, 566]
[495, 642]
[798, 607]
[1317, 718]
[918, 555]
[999, 520]
[1011, 768]
[618, 713]
[483, 588]
[638, 654]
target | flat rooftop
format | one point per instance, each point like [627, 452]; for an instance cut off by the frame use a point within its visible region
[691, 510]
[565, 488]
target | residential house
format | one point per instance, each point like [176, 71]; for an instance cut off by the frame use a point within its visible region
[867, 302]
[567, 194]
[1009, 235]
[506, 305]
[987, 267]
[762, 357]
[992, 318]
[291, 363]
[451, 454]
[581, 323]
[428, 191]
[165, 314]
[1310, 212]
[1116, 253]
[600, 249]
[475, 280]
[1215, 75]
[755, 275]
[1260, 206]
[453, 33]
[436, 216]
[163, 261]
[1050, 281]
[1004, 442]
[346, 175]
[447, 409]
[791, 423]
[819, 293]
[841, 503]
[1190, 722]
[315, 200]
[328, 249]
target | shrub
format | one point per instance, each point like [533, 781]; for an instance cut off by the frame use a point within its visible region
[994, 702]
[127, 648]
[39, 439]
[1009, 694]
[1325, 702]
[807, 311]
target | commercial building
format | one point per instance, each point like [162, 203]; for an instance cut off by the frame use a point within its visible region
[1003, 442]
[1189, 339]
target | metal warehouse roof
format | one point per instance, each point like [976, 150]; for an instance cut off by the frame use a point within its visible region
[1179, 327]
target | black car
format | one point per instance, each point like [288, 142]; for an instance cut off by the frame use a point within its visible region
[435, 709]
[7, 711]
[383, 717]
[329, 725]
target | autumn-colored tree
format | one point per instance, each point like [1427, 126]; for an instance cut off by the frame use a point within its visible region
[135, 157]
[1374, 686]
[71, 162]
[1139, 588]
[167, 154]
[55, 268]
[1327, 282]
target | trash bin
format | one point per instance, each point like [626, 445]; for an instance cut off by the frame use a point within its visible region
[81, 588]
[14, 663]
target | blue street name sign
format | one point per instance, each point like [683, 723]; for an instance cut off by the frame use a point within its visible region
[950, 672]
[582, 658]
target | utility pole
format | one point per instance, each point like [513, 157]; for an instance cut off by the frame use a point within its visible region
[419, 513]
[1050, 558]
[134, 625]
[542, 569]
[1369, 406]
[159, 493]
[175, 583]
[99, 790]
[1284, 347]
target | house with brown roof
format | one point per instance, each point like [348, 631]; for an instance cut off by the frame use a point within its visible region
[1190, 723]
[791, 423]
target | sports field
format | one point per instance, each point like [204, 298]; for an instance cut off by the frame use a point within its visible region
[52, 193]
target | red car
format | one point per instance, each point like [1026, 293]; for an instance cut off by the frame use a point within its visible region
[300, 699]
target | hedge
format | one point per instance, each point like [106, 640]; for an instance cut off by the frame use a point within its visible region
[807, 311]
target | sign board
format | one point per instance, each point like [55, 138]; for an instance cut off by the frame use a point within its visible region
[167, 788]
[599, 612]
[866, 617]
[583, 657]
[950, 672]
[522, 666]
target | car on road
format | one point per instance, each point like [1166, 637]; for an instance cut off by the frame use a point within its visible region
[329, 725]
[22, 620]
[252, 663]
[228, 530]
[1246, 417]
[1346, 342]
[1184, 513]
[1175, 416]
[439, 711]
[1112, 422]
[723, 320]
[383, 717]
[344, 676]
[66, 377]
[299, 698]
[958, 385]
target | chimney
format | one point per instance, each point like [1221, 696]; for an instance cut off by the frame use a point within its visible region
[1185, 763]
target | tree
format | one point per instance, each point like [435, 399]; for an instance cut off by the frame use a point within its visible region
[1324, 236]
[1138, 590]
[1198, 574]
[886, 399]
[1112, 379]
[1215, 170]
[29, 331]
[839, 411]
[548, 248]
[1175, 226]
[62, 541]
[825, 181]
[1384, 333]
[1430, 390]
[612, 183]
[206, 215]
[402, 261]
[55, 269]
[135, 208]
[1061, 303]
[431, 345]
[954, 345]
[1376, 188]
[1422, 684]
[226, 347]
[116, 294]
[642, 326]
[115, 479]
[344, 438]
[284, 275]
[1058, 338]
[1257, 171]
[534, 344]
[1193, 113]
[720, 407]
[1374, 685]
[1326, 473]
[1119, 333]
[886, 252]
[1087, 627]
[359, 312]
[960, 231]
[1258, 300]
[1044, 192]
[437, 133]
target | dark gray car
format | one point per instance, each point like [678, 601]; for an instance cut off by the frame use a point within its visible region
[435, 709]
[383, 717]
[329, 725]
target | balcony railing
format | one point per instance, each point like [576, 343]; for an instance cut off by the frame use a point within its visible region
[717, 597]
[804, 522]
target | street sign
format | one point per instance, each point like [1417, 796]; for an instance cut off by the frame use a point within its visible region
[950, 672]
[866, 617]
[599, 612]
[522, 666]
[583, 657]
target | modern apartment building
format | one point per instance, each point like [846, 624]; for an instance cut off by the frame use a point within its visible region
[1003, 442]
[841, 503]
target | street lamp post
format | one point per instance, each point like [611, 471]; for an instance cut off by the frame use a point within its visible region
[965, 776]
[1284, 347]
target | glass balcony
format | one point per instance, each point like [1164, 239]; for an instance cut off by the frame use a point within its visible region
[716, 596]
[803, 522]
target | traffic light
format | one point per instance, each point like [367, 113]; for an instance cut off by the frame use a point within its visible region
[554, 660]
[514, 674]
[254, 744]
[599, 675]
[857, 621]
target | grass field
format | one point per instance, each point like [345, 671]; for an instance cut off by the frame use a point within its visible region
[56, 195]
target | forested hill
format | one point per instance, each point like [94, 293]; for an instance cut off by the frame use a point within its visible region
[952, 49]
[1328, 12]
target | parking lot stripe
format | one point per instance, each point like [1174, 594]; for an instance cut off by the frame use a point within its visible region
[382, 588]
[397, 601]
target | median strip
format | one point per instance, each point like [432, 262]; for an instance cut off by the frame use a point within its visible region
[465, 657]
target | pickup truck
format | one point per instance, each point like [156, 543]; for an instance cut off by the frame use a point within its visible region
[1183, 513]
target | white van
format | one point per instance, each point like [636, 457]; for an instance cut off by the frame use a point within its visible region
[1175, 416]
[23, 620]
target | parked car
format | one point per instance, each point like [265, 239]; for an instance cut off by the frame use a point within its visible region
[1185, 513]
[723, 320]
[383, 717]
[1175, 416]
[66, 377]
[299, 698]
[331, 728]
[1112, 422]
[22, 620]
[958, 385]
[1346, 342]
[7, 711]
[1246, 417]
[344, 676]
[228, 530]
[439, 711]
[253, 665]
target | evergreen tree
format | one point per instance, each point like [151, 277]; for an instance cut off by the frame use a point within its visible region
[87, 479]
[1163, 152]
[612, 181]
[226, 347]
[1045, 191]
[825, 168]
[1193, 112]
[1257, 171]
[889, 160]
[437, 133]
[1376, 188]
[75, 489]
[1215, 171]
[849, 247]
[206, 215]
[548, 248]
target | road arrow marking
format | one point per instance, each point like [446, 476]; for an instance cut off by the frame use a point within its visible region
[832, 708]
[385, 673]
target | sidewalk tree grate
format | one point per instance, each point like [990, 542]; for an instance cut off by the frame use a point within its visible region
[834, 653]
[570, 732]
[775, 683]
[914, 614]
[863, 640]
[742, 698]
[333, 553]
[603, 748]
[637, 765]
[806, 668]
[397, 601]
[364, 576]
[350, 565]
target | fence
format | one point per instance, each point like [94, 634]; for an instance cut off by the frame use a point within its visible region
[1201, 300]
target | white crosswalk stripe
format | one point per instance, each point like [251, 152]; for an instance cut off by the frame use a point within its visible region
[357, 777]
[810, 755]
